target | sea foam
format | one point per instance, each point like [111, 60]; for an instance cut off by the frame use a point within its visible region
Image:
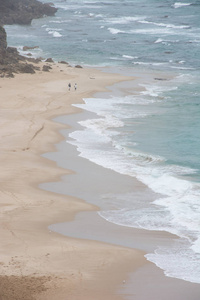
[180, 4]
[177, 209]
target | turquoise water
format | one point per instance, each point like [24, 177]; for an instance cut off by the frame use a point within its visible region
[152, 134]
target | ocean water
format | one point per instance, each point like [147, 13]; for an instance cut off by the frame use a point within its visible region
[152, 134]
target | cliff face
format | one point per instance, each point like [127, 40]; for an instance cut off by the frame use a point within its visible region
[18, 12]
[23, 11]
[3, 42]
[10, 60]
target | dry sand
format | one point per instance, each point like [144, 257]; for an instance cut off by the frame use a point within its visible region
[36, 263]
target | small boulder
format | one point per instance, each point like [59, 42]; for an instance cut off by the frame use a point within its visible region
[25, 48]
[46, 68]
[63, 62]
[78, 66]
[26, 68]
[49, 60]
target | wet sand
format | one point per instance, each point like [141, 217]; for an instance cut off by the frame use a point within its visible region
[94, 183]
[54, 245]
[36, 263]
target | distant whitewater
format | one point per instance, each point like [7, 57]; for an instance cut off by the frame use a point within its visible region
[152, 134]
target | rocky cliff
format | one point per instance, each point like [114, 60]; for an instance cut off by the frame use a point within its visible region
[10, 60]
[23, 11]
[3, 42]
[18, 12]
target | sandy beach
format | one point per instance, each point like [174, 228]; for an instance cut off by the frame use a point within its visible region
[36, 262]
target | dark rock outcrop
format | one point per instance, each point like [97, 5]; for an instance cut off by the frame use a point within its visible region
[78, 66]
[49, 60]
[11, 62]
[3, 43]
[63, 62]
[23, 11]
[46, 68]
[25, 48]
[19, 12]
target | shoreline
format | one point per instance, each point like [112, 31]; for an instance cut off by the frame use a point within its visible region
[35, 261]
[90, 226]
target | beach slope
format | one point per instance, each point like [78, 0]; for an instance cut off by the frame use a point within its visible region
[36, 263]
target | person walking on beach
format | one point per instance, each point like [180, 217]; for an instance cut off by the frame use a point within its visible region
[75, 86]
[69, 86]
